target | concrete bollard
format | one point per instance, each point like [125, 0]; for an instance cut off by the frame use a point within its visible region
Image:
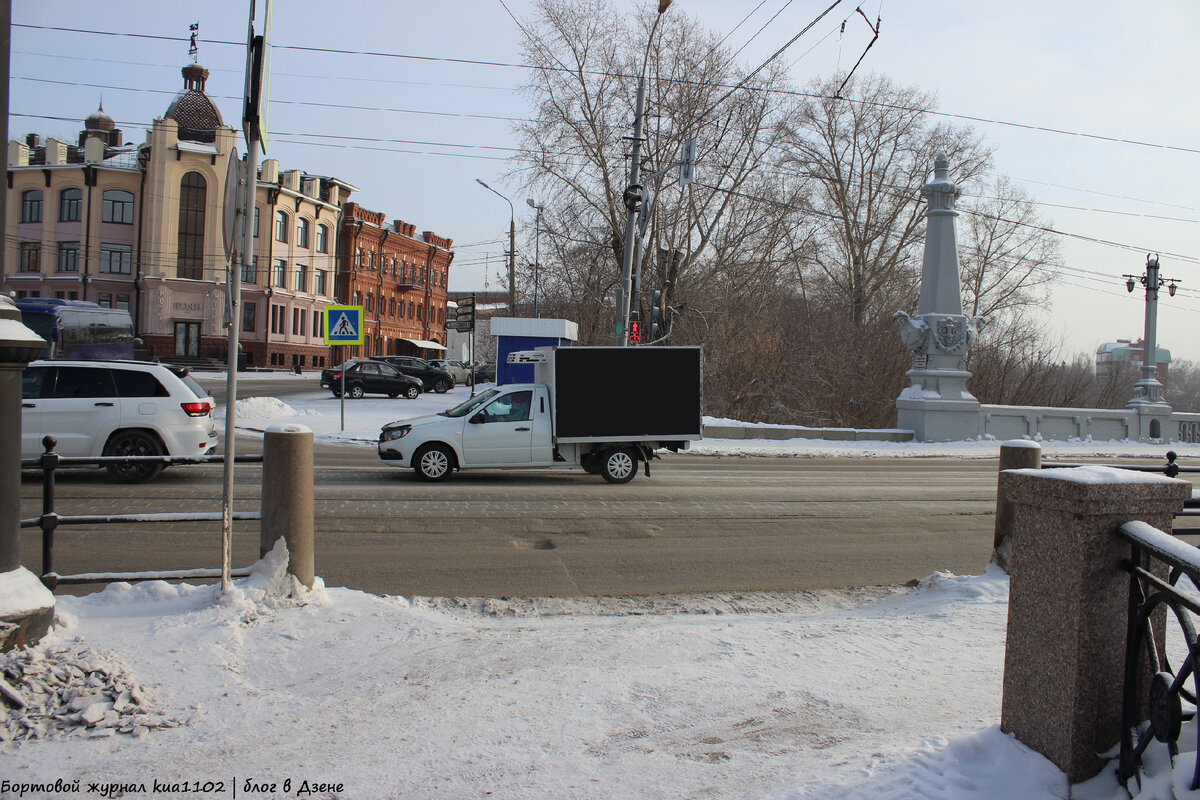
[1014, 454]
[287, 497]
[1064, 661]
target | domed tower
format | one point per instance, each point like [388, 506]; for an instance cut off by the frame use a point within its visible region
[194, 111]
[100, 126]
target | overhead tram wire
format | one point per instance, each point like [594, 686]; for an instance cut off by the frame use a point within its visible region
[740, 85]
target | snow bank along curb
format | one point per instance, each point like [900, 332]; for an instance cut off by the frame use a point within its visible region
[797, 432]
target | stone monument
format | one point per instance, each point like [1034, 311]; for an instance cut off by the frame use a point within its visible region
[937, 406]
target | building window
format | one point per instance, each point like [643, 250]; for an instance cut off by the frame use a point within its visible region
[319, 281]
[116, 259]
[122, 302]
[279, 273]
[302, 233]
[410, 310]
[250, 271]
[281, 226]
[69, 201]
[301, 278]
[322, 238]
[274, 323]
[248, 321]
[370, 302]
[68, 257]
[391, 306]
[105, 300]
[118, 207]
[31, 257]
[317, 331]
[295, 321]
[31, 206]
[420, 313]
[192, 196]
[256, 222]
[358, 258]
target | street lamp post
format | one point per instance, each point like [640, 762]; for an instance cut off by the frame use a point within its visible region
[1148, 389]
[633, 193]
[537, 244]
[512, 250]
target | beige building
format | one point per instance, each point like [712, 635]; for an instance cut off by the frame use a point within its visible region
[145, 229]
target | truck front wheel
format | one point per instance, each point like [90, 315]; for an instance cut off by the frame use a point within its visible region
[433, 462]
[619, 465]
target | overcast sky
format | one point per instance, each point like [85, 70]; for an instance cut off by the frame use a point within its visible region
[1115, 79]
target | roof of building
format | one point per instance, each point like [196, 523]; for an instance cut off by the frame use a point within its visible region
[198, 117]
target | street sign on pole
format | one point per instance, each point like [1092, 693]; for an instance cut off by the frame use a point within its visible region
[344, 325]
[687, 162]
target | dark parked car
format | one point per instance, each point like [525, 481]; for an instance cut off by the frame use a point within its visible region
[484, 373]
[369, 377]
[432, 378]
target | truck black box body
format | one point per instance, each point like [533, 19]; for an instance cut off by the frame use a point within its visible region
[625, 393]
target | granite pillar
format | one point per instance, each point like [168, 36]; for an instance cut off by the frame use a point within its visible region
[1068, 605]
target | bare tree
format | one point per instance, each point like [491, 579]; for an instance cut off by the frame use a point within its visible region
[586, 58]
[867, 152]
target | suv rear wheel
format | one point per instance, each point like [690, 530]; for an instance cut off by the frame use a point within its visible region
[442, 386]
[134, 443]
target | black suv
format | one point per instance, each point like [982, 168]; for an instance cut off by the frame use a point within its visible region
[363, 377]
[432, 378]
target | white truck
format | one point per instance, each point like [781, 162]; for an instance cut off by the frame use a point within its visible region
[601, 409]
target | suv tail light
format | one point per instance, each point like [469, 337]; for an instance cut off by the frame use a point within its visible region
[337, 376]
[196, 409]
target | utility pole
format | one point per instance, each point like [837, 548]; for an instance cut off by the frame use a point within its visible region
[633, 193]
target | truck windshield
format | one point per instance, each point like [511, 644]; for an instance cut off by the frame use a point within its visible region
[462, 409]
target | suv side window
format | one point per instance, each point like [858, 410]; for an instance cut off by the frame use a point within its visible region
[133, 383]
[35, 381]
[388, 371]
[84, 382]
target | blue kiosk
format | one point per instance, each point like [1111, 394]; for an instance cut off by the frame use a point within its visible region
[518, 333]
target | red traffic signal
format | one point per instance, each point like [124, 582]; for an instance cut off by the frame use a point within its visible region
[634, 334]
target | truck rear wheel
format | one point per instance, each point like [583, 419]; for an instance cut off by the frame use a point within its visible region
[433, 462]
[618, 465]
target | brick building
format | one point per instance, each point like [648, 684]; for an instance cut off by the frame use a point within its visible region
[399, 278]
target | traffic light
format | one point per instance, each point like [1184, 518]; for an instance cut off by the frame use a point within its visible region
[655, 315]
[635, 330]
[464, 319]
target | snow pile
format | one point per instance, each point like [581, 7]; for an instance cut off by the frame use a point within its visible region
[56, 691]
[264, 408]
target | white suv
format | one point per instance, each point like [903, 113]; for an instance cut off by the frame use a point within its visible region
[116, 408]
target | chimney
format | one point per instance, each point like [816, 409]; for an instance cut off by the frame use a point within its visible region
[18, 153]
[270, 171]
[93, 150]
[56, 151]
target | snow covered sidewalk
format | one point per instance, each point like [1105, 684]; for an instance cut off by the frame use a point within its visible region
[879, 693]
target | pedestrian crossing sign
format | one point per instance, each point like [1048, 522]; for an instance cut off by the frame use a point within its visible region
[344, 325]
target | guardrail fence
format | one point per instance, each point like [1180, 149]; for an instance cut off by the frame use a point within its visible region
[287, 502]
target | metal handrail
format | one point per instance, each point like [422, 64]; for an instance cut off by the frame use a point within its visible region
[49, 462]
[1150, 596]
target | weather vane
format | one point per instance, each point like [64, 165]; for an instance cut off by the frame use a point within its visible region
[192, 49]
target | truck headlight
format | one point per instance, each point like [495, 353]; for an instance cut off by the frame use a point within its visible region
[392, 434]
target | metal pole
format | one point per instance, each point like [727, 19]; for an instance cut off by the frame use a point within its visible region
[246, 257]
[1149, 340]
[512, 262]
[632, 203]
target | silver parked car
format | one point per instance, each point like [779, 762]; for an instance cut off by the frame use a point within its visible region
[456, 368]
